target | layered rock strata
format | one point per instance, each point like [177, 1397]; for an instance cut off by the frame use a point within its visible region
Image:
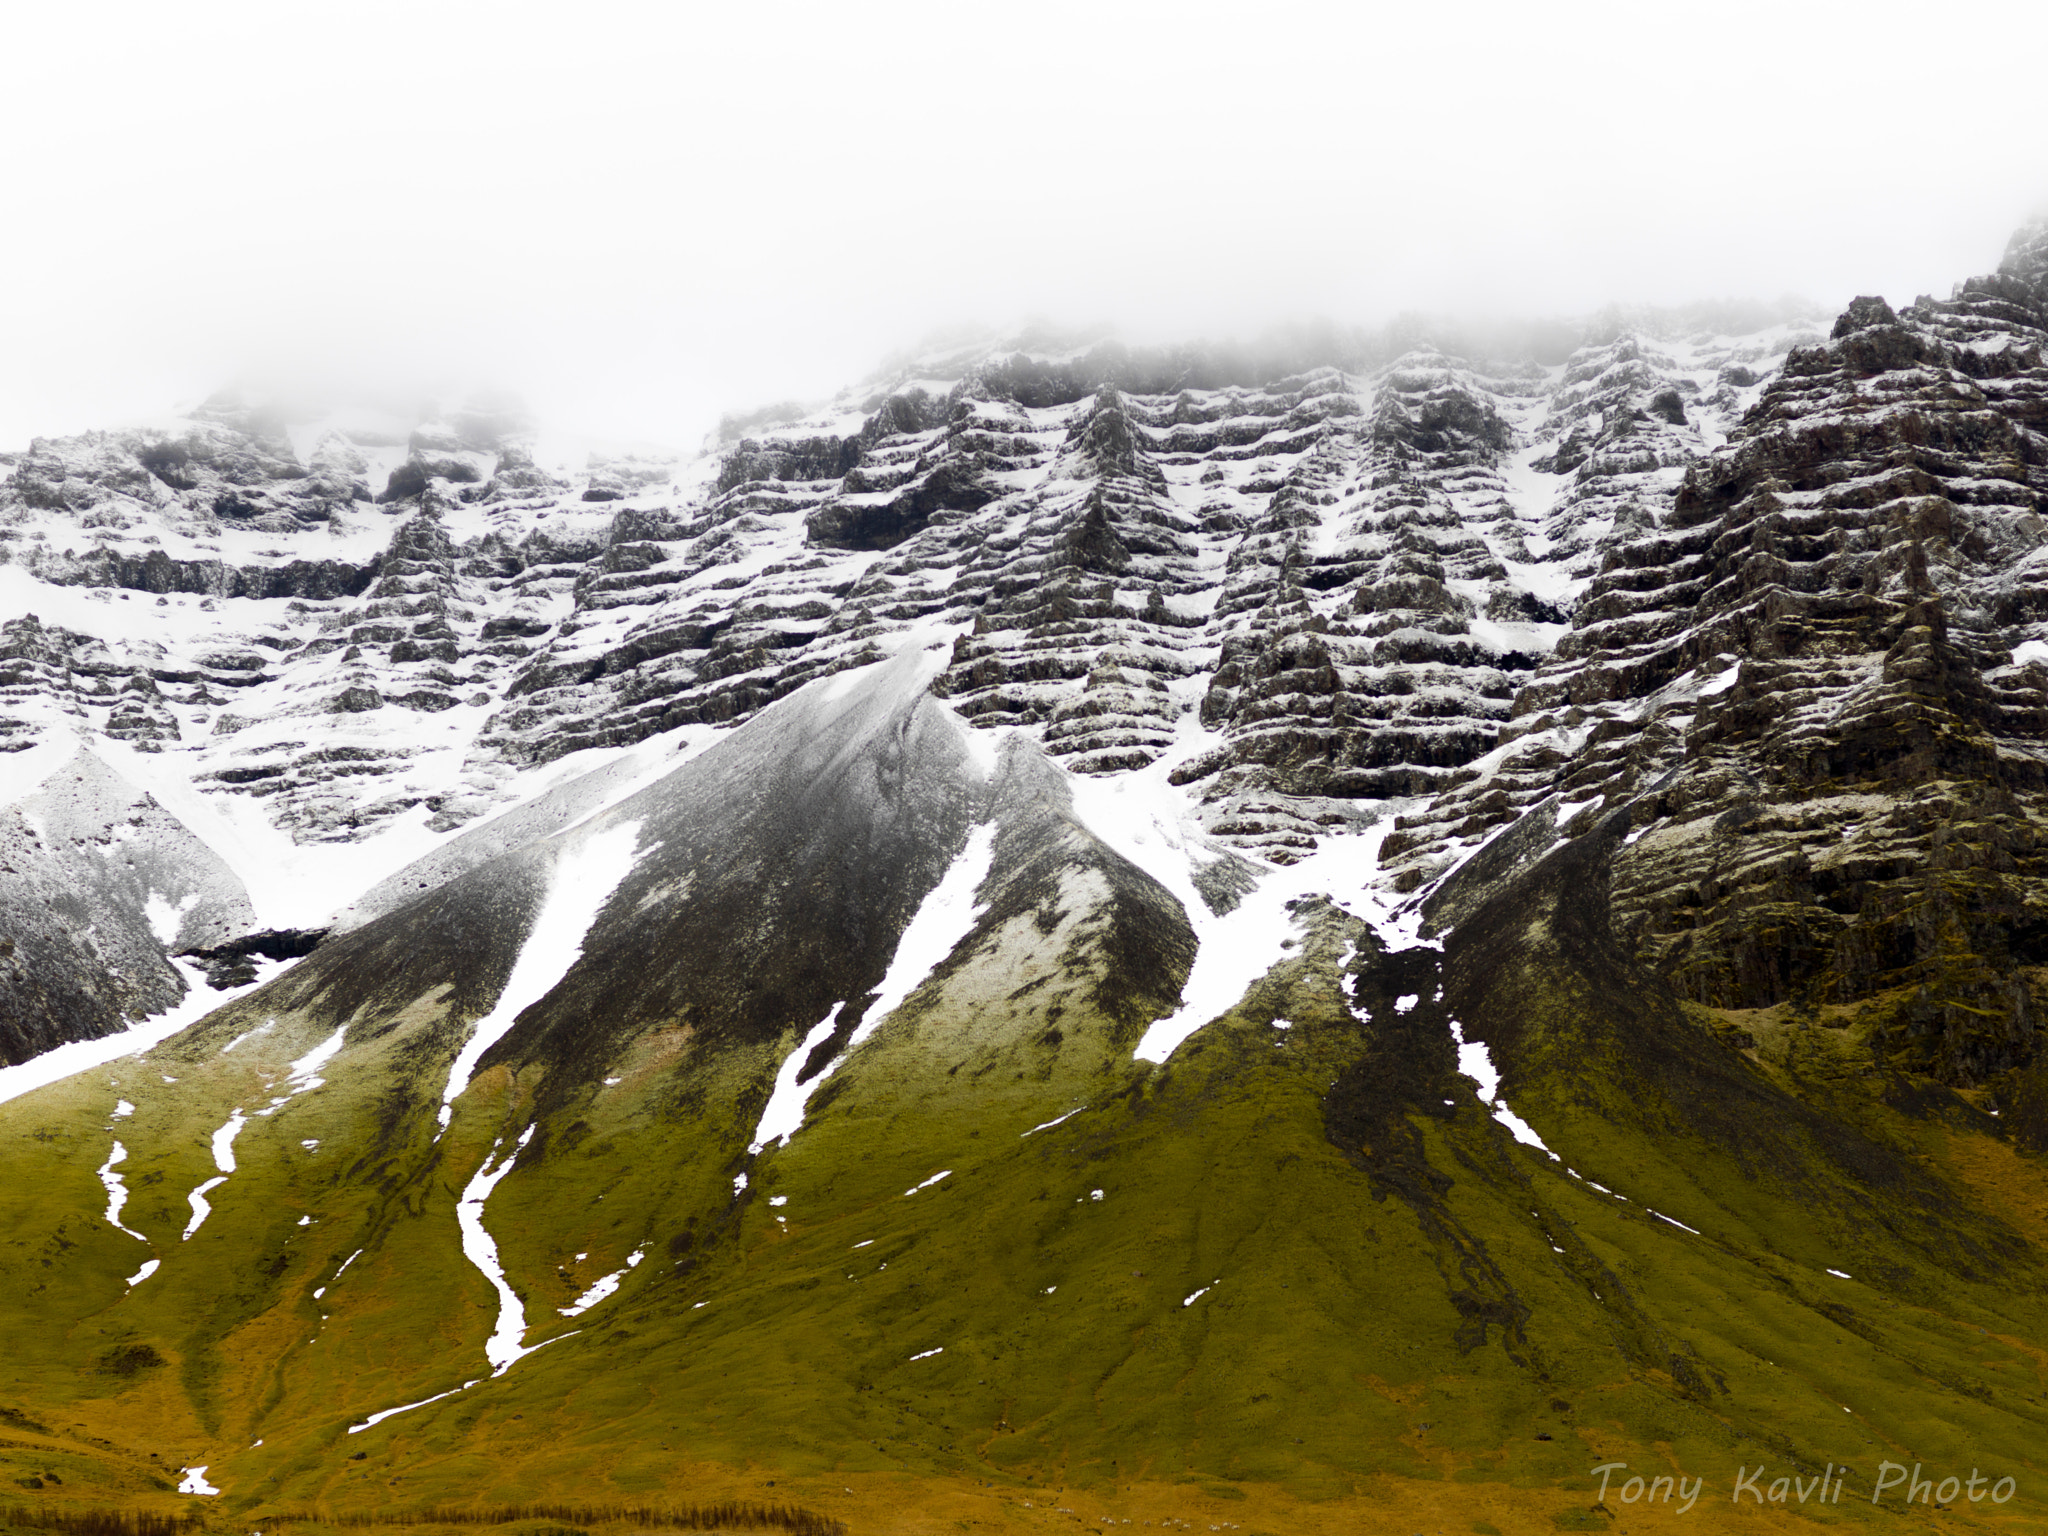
[1819, 686]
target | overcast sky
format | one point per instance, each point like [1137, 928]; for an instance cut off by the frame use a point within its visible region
[639, 216]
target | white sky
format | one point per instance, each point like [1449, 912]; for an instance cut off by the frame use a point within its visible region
[641, 215]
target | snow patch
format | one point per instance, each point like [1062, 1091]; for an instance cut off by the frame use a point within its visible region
[1476, 1062]
[984, 749]
[117, 1191]
[23, 773]
[303, 1071]
[604, 1286]
[261, 1029]
[584, 878]
[943, 919]
[1237, 948]
[1723, 680]
[1048, 1125]
[1569, 810]
[201, 1207]
[785, 1111]
[224, 1141]
[164, 919]
[224, 1160]
[378, 1418]
[195, 1481]
[928, 1183]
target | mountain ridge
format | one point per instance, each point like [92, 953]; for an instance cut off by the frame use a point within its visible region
[1352, 937]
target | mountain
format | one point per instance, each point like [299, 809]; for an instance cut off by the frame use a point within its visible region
[1319, 938]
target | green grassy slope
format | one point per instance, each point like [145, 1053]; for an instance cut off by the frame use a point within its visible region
[1317, 1273]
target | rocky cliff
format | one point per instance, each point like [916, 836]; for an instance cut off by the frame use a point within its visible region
[1312, 584]
[1817, 683]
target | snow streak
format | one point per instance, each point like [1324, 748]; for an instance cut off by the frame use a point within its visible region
[503, 1346]
[584, 878]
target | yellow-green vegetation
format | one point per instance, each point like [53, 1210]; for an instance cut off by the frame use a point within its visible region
[1297, 1279]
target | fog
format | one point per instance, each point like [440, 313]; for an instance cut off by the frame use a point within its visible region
[638, 217]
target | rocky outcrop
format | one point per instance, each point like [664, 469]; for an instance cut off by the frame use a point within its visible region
[98, 885]
[1817, 683]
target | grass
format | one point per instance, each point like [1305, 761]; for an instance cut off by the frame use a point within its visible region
[96, 1522]
[1442, 1323]
[727, 1515]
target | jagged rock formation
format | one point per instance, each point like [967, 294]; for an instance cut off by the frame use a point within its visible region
[1819, 684]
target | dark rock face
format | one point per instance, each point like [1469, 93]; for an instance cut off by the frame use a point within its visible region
[233, 964]
[1809, 683]
[97, 884]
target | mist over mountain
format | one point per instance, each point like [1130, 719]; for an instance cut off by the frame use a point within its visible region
[1312, 934]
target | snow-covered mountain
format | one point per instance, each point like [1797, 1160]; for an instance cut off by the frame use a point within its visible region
[526, 945]
[1310, 586]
